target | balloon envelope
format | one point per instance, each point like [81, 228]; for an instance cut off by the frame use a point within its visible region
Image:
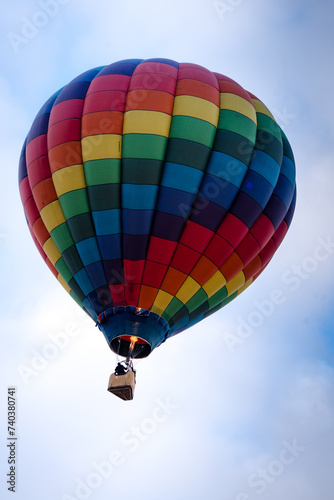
[156, 192]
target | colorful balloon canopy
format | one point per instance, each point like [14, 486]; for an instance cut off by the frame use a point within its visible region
[156, 192]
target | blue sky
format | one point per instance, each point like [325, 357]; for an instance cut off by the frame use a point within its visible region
[254, 420]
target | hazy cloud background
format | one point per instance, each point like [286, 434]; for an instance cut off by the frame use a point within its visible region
[255, 418]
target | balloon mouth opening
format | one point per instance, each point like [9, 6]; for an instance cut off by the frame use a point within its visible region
[132, 331]
[121, 346]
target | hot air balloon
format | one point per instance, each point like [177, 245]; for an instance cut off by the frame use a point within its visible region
[156, 192]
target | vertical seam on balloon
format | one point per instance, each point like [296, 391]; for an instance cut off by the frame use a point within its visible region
[121, 185]
[159, 187]
[110, 302]
[191, 211]
[87, 199]
[177, 243]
